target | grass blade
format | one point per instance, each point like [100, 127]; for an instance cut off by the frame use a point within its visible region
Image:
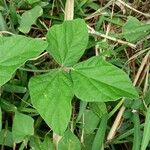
[137, 136]
[146, 134]
[99, 137]
[0, 119]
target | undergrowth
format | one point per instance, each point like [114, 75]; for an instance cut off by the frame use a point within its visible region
[74, 74]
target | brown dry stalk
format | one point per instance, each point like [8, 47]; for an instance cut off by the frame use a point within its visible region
[133, 9]
[98, 12]
[117, 121]
[115, 125]
[69, 10]
[92, 31]
[146, 81]
[143, 63]
[143, 74]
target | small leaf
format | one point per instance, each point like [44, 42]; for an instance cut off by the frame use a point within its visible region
[98, 80]
[68, 41]
[82, 108]
[98, 108]
[88, 140]
[133, 30]
[29, 18]
[22, 127]
[15, 51]
[6, 138]
[14, 88]
[47, 144]
[146, 134]
[91, 121]
[69, 142]
[35, 143]
[51, 95]
[7, 106]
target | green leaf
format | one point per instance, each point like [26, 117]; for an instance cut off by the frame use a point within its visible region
[146, 134]
[51, 95]
[15, 51]
[91, 121]
[14, 88]
[7, 106]
[6, 138]
[88, 140]
[98, 108]
[35, 143]
[47, 144]
[29, 18]
[69, 142]
[68, 41]
[82, 108]
[22, 127]
[133, 30]
[98, 80]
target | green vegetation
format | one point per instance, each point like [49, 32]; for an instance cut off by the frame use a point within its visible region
[79, 83]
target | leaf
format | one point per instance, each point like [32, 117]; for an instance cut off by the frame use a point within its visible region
[98, 80]
[133, 30]
[22, 127]
[68, 41]
[88, 140]
[98, 108]
[15, 51]
[7, 106]
[6, 138]
[14, 88]
[47, 144]
[82, 108]
[146, 137]
[51, 95]
[29, 18]
[91, 121]
[69, 142]
[35, 143]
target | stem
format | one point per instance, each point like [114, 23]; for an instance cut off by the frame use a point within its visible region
[6, 32]
[116, 124]
[128, 6]
[92, 31]
[56, 139]
[69, 10]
